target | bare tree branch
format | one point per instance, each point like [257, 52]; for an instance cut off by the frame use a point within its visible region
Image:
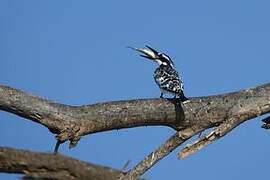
[236, 118]
[49, 166]
[237, 113]
[214, 135]
[71, 122]
[173, 142]
[224, 111]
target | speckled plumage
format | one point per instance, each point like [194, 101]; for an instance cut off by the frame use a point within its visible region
[168, 80]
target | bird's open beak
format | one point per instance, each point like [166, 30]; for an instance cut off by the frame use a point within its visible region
[149, 53]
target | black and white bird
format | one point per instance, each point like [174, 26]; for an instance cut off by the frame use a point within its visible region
[166, 77]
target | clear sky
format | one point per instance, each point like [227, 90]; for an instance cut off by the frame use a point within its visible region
[75, 52]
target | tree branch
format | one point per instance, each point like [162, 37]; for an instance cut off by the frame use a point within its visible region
[214, 135]
[72, 122]
[224, 111]
[49, 166]
[173, 142]
[238, 112]
[236, 117]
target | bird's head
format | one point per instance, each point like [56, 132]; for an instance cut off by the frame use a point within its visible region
[150, 53]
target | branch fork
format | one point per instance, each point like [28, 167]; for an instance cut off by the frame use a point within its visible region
[222, 112]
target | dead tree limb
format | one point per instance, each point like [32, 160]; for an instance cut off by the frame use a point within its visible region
[245, 105]
[225, 112]
[49, 166]
[173, 142]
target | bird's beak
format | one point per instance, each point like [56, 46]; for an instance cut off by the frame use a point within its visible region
[149, 53]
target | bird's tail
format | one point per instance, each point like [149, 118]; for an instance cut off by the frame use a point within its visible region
[182, 97]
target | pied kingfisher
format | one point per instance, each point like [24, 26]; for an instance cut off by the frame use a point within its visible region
[165, 75]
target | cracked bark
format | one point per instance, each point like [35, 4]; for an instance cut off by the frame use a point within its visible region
[224, 112]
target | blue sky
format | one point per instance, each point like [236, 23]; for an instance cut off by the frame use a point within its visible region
[74, 52]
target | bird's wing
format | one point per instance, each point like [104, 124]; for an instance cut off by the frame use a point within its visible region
[168, 80]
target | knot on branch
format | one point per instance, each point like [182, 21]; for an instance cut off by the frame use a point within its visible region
[71, 133]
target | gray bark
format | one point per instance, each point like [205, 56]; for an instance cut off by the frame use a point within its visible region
[224, 111]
